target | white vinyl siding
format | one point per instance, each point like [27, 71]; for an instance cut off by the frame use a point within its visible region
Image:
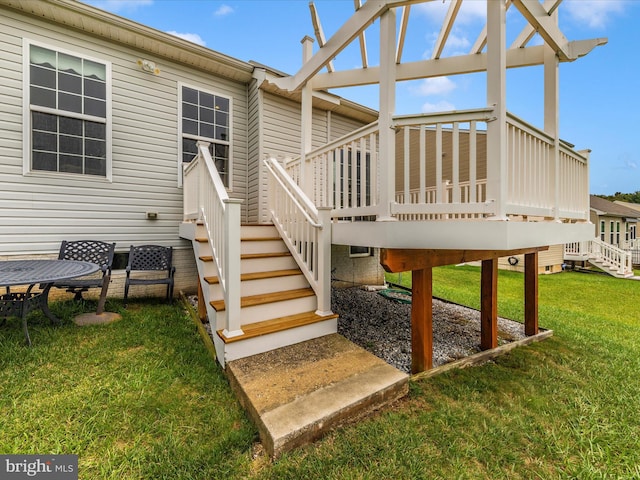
[38, 211]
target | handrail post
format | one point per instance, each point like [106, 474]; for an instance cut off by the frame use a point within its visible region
[232, 264]
[324, 261]
[387, 158]
[496, 96]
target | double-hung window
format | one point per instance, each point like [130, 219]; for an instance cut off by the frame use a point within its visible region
[206, 116]
[67, 113]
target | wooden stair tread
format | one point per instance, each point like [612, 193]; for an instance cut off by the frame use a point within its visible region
[245, 239]
[280, 324]
[265, 298]
[258, 275]
[209, 258]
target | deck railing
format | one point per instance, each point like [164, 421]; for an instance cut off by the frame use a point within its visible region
[440, 166]
[206, 200]
[537, 186]
[616, 259]
[441, 171]
[305, 229]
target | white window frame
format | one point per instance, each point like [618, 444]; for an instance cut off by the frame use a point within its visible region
[358, 254]
[26, 113]
[229, 143]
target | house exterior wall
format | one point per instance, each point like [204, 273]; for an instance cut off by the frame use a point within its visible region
[549, 261]
[38, 210]
[348, 271]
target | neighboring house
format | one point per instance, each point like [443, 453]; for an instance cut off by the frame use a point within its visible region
[118, 132]
[614, 248]
[615, 223]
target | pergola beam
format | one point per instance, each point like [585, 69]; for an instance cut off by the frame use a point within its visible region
[521, 57]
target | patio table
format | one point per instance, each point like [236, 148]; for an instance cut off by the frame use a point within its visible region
[32, 273]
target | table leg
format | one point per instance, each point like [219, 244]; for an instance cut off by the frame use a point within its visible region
[44, 304]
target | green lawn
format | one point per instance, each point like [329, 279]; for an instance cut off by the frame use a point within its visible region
[142, 398]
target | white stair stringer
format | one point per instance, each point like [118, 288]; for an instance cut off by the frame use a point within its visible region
[267, 270]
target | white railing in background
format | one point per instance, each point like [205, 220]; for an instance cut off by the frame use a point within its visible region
[343, 172]
[206, 199]
[596, 250]
[532, 177]
[453, 186]
[305, 229]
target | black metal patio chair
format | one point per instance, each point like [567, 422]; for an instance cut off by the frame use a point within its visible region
[93, 251]
[150, 259]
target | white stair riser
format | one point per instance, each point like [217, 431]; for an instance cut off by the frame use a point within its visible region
[258, 231]
[262, 246]
[265, 343]
[272, 285]
[269, 311]
[263, 286]
[269, 264]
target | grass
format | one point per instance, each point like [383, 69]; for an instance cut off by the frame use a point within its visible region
[141, 398]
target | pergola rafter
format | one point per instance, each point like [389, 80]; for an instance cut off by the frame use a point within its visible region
[362, 38]
[447, 25]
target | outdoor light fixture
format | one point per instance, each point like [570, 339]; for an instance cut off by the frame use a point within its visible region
[148, 66]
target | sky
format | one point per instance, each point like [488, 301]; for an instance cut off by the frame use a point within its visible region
[599, 93]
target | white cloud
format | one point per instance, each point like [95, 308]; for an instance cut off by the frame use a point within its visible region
[593, 13]
[435, 86]
[120, 6]
[470, 11]
[441, 106]
[191, 37]
[223, 10]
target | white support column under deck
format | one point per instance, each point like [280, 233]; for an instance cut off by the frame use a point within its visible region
[387, 157]
[496, 97]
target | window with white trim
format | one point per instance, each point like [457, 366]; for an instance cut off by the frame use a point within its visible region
[206, 117]
[602, 230]
[67, 113]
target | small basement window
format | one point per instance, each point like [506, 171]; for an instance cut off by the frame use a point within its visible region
[355, 251]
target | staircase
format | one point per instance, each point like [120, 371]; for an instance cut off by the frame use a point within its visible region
[277, 304]
[608, 258]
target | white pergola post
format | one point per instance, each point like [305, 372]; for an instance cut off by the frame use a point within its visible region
[387, 162]
[551, 114]
[496, 97]
[306, 120]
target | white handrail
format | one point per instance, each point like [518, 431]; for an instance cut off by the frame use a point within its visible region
[615, 258]
[206, 195]
[305, 229]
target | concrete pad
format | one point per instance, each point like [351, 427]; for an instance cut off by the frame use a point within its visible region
[95, 319]
[297, 393]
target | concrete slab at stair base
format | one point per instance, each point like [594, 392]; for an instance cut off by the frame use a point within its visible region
[298, 393]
